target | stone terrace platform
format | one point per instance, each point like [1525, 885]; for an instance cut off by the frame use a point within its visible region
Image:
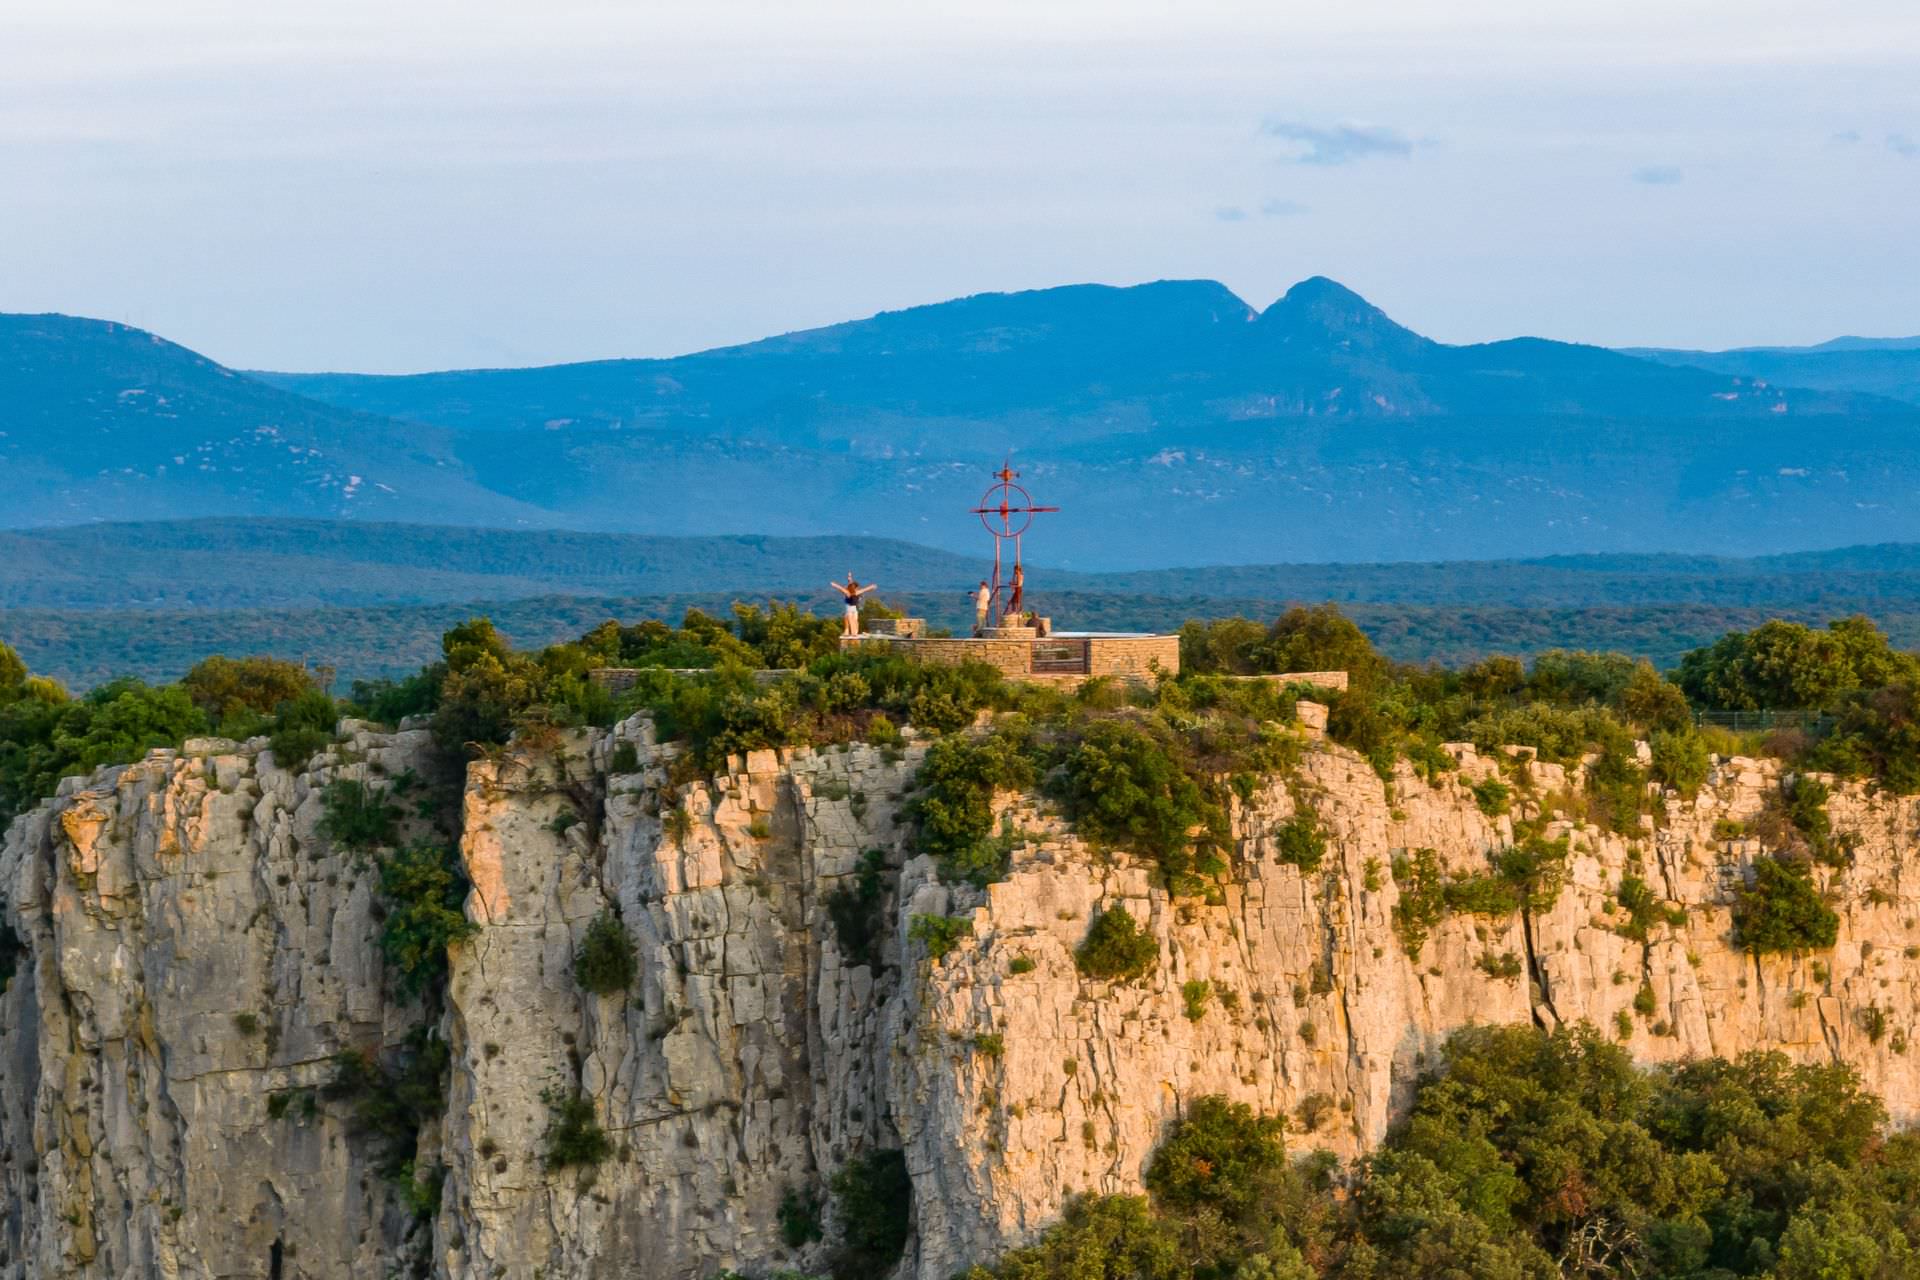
[1066, 657]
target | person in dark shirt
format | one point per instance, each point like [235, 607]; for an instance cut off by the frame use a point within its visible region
[851, 591]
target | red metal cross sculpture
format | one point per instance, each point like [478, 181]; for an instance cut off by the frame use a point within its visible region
[1007, 510]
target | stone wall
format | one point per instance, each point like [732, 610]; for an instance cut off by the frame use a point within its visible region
[1013, 657]
[1138, 656]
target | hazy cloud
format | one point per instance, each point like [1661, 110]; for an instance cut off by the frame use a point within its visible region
[1282, 209]
[1338, 144]
[1846, 137]
[1658, 175]
[1230, 213]
[1901, 145]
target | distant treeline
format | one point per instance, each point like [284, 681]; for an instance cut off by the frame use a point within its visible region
[83, 648]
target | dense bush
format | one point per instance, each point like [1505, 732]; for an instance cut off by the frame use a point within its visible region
[1781, 666]
[12, 949]
[391, 1099]
[873, 1206]
[1782, 911]
[1680, 759]
[1317, 638]
[389, 702]
[357, 815]
[574, 1136]
[1527, 876]
[1616, 785]
[1117, 948]
[242, 690]
[1221, 1156]
[423, 891]
[1527, 1157]
[1125, 784]
[954, 804]
[800, 1218]
[606, 961]
[1301, 841]
[46, 735]
[855, 910]
[1878, 736]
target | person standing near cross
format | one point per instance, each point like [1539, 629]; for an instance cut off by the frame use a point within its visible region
[982, 602]
[851, 591]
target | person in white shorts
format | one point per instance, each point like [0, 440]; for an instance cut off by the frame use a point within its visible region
[851, 592]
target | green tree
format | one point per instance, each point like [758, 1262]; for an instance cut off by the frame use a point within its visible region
[606, 961]
[487, 687]
[954, 806]
[1117, 948]
[1789, 666]
[231, 689]
[1125, 784]
[873, 1197]
[424, 891]
[1321, 638]
[1782, 911]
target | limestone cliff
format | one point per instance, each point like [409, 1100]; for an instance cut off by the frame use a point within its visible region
[196, 948]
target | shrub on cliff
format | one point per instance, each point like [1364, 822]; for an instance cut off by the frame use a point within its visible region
[357, 815]
[873, 1204]
[1878, 736]
[1782, 911]
[1321, 638]
[1301, 841]
[1125, 783]
[44, 736]
[1221, 1156]
[422, 889]
[800, 1218]
[939, 934]
[954, 805]
[12, 949]
[1616, 786]
[391, 1097]
[855, 910]
[574, 1137]
[389, 702]
[1680, 759]
[301, 728]
[486, 689]
[1222, 646]
[1117, 948]
[606, 961]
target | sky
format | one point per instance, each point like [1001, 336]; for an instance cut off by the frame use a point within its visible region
[402, 186]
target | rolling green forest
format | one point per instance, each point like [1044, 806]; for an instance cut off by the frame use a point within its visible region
[86, 647]
[89, 603]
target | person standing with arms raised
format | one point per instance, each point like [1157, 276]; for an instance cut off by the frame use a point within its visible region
[851, 592]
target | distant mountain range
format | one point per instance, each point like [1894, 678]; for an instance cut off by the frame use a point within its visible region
[1172, 422]
[1881, 366]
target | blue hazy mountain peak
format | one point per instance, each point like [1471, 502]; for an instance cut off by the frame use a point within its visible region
[1172, 422]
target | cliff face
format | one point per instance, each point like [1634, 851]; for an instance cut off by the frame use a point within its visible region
[753, 1057]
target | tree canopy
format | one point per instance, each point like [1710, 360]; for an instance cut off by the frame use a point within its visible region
[1526, 1156]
